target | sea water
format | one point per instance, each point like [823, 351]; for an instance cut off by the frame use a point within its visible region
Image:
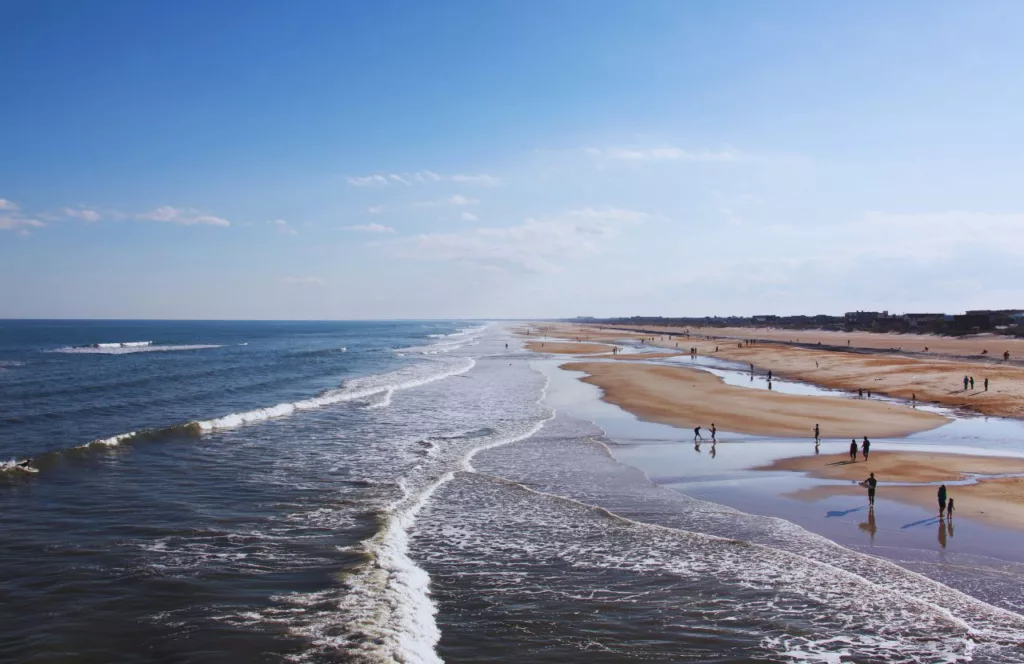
[398, 491]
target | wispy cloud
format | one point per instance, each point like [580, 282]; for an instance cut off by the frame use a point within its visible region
[283, 227]
[304, 281]
[369, 228]
[375, 209]
[456, 199]
[183, 216]
[368, 181]
[663, 153]
[469, 216]
[539, 245]
[85, 214]
[423, 177]
[934, 235]
[12, 220]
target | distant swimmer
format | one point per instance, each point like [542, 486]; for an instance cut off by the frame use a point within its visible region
[506, 346]
[865, 447]
[696, 434]
[853, 449]
[870, 483]
[942, 500]
[713, 432]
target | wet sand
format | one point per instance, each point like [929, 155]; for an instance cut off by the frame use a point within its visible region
[686, 398]
[568, 347]
[997, 501]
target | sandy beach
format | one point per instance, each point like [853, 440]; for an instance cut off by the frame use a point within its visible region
[687, 398]
[930, 379]
[997, 501]
[568, 347]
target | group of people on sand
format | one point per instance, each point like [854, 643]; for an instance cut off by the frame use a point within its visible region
[969, 383]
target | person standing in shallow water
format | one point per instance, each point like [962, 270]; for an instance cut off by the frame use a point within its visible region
[696, 434]
[871, 483]
[713, 432]
[942, 500]
[853, 449]
[817, 433]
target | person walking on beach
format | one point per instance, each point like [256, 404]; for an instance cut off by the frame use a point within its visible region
[713, 432]
[696, 434]
[853, 450]
[769, 375]
[966, 382]
[972, 382]
[817, 433]
[865, 447]
[860, 392]
[870, 483]
[986, 384]
[942, 501]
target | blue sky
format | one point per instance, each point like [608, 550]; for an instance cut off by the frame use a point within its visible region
[508, 159]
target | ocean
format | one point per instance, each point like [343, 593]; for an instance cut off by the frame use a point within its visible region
[394, 491]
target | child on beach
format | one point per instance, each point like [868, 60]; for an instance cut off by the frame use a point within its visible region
[949, 509]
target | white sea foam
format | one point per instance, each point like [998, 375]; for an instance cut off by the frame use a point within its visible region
[358, 388]
[385, 612]
[128, 347]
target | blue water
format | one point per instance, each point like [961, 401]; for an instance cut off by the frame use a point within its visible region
[56, 393]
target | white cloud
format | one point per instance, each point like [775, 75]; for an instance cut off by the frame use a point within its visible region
[369, 228]
[283, 227]
[184, 216]
[424, 177]
[934, 235]
[469, 216]
[84, 214]
[368, 181]
[486, 180]
[539, 245]
[12, 220]
[456, 199]
[304, 281]
[666, 153]
[18, 224]
[375, 209]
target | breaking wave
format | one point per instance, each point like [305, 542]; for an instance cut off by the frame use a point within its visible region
[126, 347]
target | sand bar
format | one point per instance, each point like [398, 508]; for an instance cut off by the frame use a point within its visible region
[686, 398]
[930, 379]
[998, 501]
[568, 347]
